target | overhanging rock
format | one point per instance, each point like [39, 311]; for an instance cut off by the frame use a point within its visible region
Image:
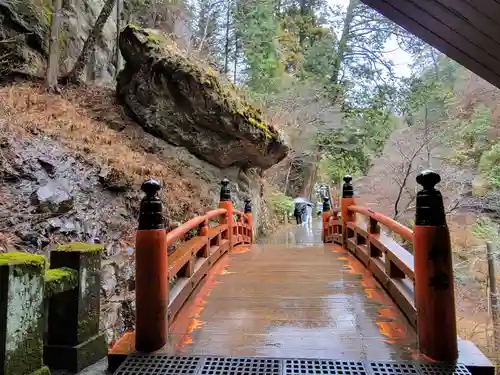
[187, 103]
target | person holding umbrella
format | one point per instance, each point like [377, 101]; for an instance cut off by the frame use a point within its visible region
[297, 212]
[300, 209]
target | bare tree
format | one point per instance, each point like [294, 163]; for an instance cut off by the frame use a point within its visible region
[75, 75]
[52, 73]
[417, 156]
[402, 171]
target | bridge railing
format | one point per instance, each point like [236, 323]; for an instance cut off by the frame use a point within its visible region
[421, 283]
[164, 282]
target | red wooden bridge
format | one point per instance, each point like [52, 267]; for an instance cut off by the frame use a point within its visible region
[340, 296]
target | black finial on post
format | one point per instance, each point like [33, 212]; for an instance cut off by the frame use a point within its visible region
[151, 211]
[347, 189]
[225, 192]
[430, 208]
[248, 205]
[326, 204]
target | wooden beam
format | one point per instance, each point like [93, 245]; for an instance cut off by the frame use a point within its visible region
[478, 18]
[436, 38]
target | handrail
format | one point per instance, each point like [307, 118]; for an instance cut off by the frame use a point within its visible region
[391, 224]
[182, 229]
[420, 283]
[238, 212]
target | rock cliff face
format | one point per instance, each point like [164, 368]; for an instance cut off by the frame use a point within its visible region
[24, 32]
[179, 99]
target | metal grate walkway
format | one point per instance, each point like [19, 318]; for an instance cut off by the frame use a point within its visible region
[210, 365]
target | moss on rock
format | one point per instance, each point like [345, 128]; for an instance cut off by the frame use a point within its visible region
[181, 99]
[58, 280]
[81, 246]
[24, 311]
[226, 91]
[42, 371]
[22, 258]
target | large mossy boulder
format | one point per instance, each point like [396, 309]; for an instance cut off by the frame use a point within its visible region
[187, 103]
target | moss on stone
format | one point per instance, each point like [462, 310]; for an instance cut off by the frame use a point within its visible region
[87, 327]
[42, 371]
[81, 246]
[58, 280]
[22, 258]
[234, 101]
[23, 358]
[26, 341]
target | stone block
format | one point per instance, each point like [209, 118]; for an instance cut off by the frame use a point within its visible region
[73, 338]
[21, 313]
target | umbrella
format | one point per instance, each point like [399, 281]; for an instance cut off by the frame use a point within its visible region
[300, 200]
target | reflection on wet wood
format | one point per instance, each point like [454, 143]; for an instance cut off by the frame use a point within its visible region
[297, 299]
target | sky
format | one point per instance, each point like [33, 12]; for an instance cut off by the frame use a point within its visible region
[401, 59]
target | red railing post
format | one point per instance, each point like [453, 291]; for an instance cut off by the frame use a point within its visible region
[434, 286]
[151, 272]
[347, 200]
[325, 217]
[249, 216]
[226, 203]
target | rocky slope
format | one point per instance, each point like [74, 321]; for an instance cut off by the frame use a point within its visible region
[70, 169]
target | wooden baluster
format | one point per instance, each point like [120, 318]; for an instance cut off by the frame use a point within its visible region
[391, 269]
[249, 216]
[226, 203]
[374, 228]
[151, 272]
[203, 232]
[325, 216]
[434, 289]
[347, 200]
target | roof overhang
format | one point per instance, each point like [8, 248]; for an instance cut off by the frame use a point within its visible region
[467, 31]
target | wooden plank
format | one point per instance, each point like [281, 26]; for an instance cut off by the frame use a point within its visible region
[184, 253]
[436, 26]
[214, 231]
[489, 8]
[461, 25]
[276, 300]
[481, 20]
[399, 255]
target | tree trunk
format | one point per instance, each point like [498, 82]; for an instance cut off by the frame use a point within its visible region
[91, 67]
[302, 31]
[342, 48]
[226, 48]
[54, 48]
[118, 29]
[89, 46]
[235, 59]
[426, 134]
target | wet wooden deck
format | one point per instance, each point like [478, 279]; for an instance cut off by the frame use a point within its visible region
[292, 296]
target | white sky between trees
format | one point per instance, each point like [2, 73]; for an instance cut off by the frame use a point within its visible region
[401, 59]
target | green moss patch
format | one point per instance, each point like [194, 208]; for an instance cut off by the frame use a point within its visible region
[43, 371]
[81, 246]
[22, 258]
[58, 280]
